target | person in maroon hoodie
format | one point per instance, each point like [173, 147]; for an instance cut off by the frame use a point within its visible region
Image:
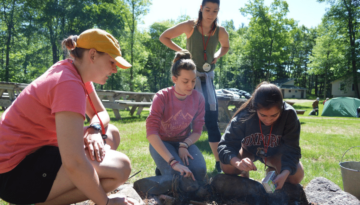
[176, 121]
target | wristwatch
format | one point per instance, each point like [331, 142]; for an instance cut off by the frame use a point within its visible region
[97, 127]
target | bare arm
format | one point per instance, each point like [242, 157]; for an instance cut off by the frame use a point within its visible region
[193, 137]
[69, 129]
[93, 140]
[100, 109]
[224, 42]
[184, 27]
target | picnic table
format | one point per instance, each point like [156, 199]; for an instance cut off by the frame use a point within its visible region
[225, 114]
[123, 100]
[8, 93]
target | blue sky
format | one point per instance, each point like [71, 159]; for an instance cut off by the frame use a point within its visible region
[306, 12]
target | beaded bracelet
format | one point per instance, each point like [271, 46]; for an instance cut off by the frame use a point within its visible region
[171, 159]
[174, 164]
[183, 144]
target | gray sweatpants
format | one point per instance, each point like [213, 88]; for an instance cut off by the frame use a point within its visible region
[196, 165]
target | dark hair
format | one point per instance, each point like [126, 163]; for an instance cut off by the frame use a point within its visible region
[265, 96]
[182, 61]
[198, 21]
[74, 51]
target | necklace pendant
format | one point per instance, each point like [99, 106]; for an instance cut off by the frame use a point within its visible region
[206, 67]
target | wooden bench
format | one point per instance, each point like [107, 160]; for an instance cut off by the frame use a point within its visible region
[8, 92]
[123, 105]
[123, 100]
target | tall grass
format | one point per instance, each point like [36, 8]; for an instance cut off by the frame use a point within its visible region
[323, 141]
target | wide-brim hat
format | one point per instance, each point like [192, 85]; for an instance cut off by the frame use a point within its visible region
[104, 42]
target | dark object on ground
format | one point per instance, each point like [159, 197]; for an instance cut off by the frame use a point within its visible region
[164, 184]
[314, 112]
[252, 192]
[153, 185]
[222, 189]
[323, 191]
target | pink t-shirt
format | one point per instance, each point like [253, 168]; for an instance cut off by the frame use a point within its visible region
[29, 123]
[172, 119]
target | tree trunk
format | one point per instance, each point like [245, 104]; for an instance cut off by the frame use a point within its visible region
[316, 85]
[132, 46]
[10, 27]
[53, 42]
[351, 30]
[269, 62]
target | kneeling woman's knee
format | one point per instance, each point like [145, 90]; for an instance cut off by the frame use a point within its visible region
[124, 167]
[298, 176]
[115, 136]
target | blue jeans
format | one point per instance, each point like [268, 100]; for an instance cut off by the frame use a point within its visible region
[211, 117]
[197, 165]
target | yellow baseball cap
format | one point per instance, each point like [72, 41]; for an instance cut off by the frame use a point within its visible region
[104, 42]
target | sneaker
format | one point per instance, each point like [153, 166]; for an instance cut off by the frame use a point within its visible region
[217, 167]
[157, 172]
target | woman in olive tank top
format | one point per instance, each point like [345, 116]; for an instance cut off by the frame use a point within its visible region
[203, 35]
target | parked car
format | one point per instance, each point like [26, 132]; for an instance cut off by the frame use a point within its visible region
[226, 93]
[241, 93]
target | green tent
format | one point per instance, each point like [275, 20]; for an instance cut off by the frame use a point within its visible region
[342, 107]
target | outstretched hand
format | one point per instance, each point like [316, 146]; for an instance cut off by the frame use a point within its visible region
[246, 165]
[184, 170]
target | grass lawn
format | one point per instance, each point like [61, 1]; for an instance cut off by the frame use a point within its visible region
[323, 141]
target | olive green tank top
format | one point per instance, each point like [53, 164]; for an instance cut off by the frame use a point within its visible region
[195, 45]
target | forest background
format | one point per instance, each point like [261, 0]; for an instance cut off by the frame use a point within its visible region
[270, 47]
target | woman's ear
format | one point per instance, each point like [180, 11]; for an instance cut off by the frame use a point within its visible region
[174, 79]
[92, 53]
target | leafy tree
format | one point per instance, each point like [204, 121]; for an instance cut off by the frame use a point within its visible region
[327, 53]
[345, 14]
[267, 37]
[11, 10]
[138, 8]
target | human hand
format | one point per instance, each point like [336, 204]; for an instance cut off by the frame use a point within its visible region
[118, 199]
[95, 145]
[184, 154]
[281, 178]
[245, 165]
[184, 170]
[214, 61]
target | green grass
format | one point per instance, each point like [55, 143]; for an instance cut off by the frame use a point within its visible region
[323, 141]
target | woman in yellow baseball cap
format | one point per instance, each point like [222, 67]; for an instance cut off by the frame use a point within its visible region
[46, 154]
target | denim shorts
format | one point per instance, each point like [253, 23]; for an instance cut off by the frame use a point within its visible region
[31, 181]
